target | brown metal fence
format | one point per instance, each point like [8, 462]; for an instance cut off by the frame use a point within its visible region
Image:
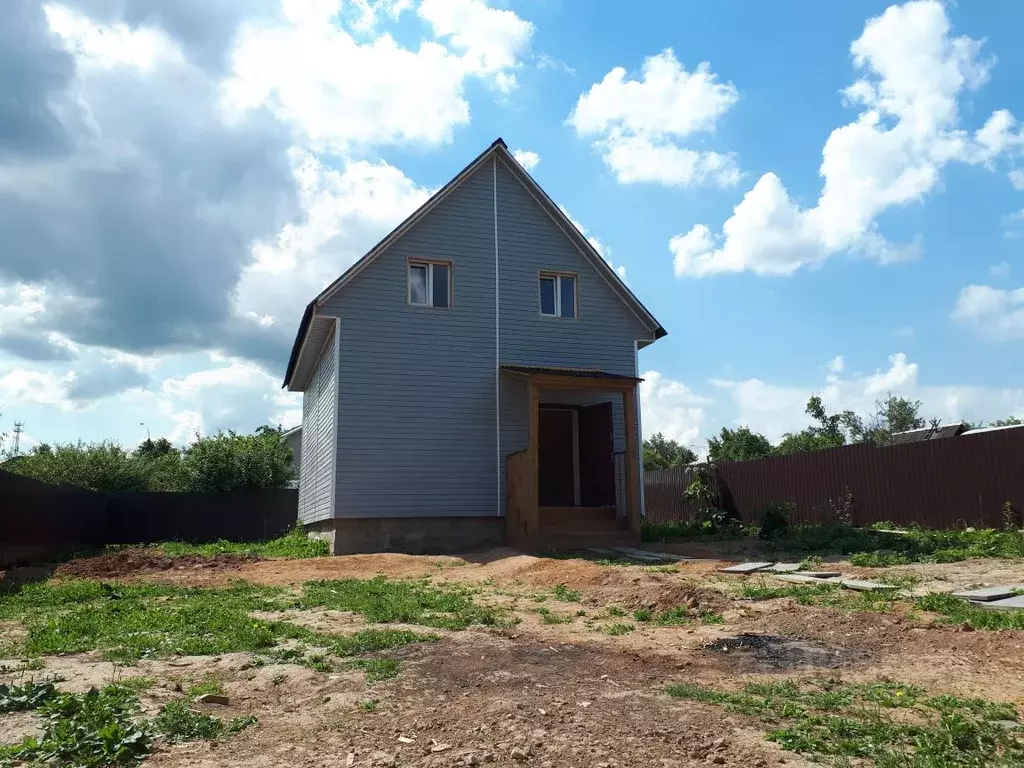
[38, 520]
[936, 483]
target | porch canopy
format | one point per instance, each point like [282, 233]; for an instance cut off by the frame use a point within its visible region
[522, 486]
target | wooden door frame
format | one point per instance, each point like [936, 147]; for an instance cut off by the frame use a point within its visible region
[526, 507]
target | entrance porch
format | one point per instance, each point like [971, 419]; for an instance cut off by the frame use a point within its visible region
[570, 487]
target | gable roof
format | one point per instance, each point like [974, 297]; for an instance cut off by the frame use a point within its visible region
[500, 149]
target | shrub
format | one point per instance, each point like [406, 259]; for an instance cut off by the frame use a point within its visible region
[774, 519]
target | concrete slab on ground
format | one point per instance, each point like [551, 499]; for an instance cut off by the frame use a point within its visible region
[988, 594]
[615, 554]
[1006, 604]
[821, 574]
[784, 568]
[799, 578]
[745, 567]
[861, 585]
[667, 557]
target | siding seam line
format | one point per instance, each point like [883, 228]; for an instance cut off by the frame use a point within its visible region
[337, 419]
[497, 345]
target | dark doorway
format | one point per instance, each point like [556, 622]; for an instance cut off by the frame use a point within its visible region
[597, 459]
[557, 457]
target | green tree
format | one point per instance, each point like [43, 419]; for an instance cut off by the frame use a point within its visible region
[828, 431]
[740, 444]
[893, 414]
[151, 449]
[232, 462]
[104, 466]
[661, 453]
[1012, 421]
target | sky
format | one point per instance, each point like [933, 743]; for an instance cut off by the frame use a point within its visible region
[811, 197]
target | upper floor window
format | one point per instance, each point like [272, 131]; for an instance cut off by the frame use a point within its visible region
[558, 295]
[430, 283]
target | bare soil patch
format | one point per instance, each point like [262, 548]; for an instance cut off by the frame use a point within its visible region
[137, 562]
[756, 652]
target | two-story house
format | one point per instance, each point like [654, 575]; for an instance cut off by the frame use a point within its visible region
[473, 380]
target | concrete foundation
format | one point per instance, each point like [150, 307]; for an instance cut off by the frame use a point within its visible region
[411, 535]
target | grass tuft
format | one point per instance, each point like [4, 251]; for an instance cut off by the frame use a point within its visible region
[377, 670]
[407, 602]
[957, 611]
[887, 723]
[295, 544]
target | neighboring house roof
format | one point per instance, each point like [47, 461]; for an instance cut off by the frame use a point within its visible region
[498, 147]
[979, 430]
[927, 433]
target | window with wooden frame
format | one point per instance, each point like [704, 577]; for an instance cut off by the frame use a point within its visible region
[430, 284]
[557, 295]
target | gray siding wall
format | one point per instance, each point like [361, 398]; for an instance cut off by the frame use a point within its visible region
[319, 406]
[417, 404]
[601, 337]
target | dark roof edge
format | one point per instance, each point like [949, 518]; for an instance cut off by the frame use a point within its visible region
[293, 358]
[577, 237]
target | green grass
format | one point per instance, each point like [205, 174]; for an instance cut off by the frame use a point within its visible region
[30, 695]
[372, 640]
[207, 685]
[829, 595]
[617, 629]
[804, 593]
[870, 547]
[377, 670]
[566, 595]
[548, 617]
[104, 727]
[369, 705]
[889, 724]
[383, 601]
[133, 621]
[294, 544]
[957, 611]
[176, 722]
[676, 616]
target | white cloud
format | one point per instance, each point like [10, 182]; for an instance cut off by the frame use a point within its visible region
[672, 408]
[345, 212]
[1002, 269]
[526, 158]
[1017, 178]
[914, 71]
[22, 386]
[638, 125]
[238, 396]
[774, 409]
[343, 95]
[836, 364]
[992, 312]
[107, 46]
[491, 39]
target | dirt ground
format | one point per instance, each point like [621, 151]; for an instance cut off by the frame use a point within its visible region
[567, 694]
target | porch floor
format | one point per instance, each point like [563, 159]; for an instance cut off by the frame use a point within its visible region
[582, 527]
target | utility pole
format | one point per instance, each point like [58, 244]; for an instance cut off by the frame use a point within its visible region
[19, 427]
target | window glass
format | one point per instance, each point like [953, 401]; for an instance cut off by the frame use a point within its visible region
[547, 296]
[418, 284]
[440, 285]
[567, 287]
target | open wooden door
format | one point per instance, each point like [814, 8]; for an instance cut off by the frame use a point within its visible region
[597, 460]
